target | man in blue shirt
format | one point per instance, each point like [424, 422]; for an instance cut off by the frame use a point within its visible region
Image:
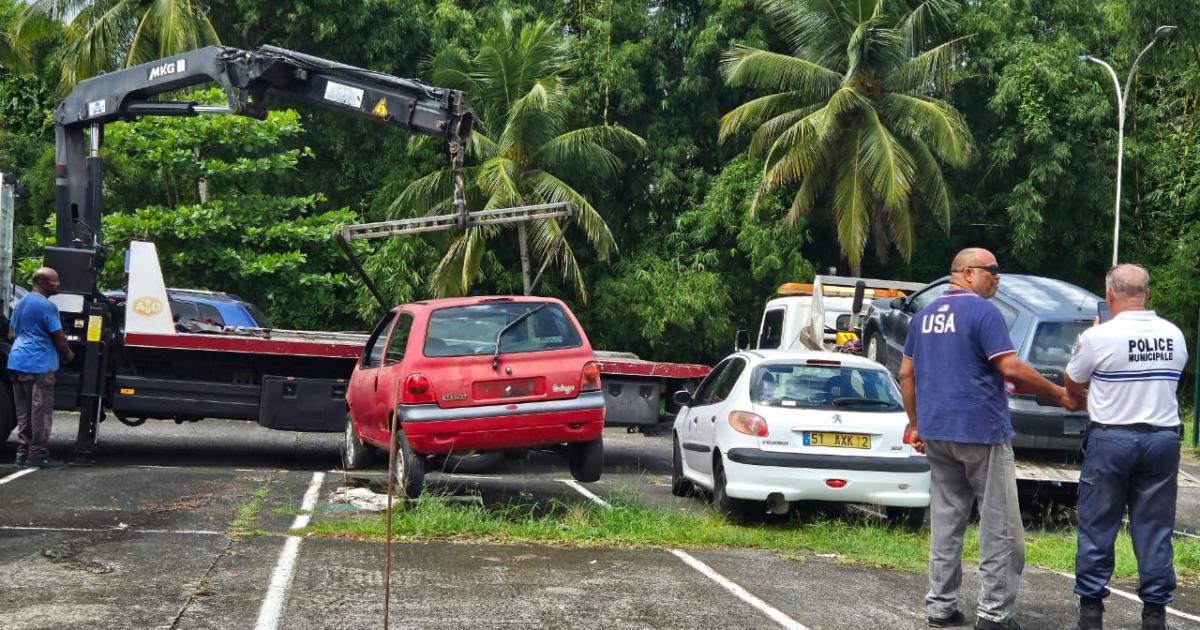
[956, 358]
[38, 342]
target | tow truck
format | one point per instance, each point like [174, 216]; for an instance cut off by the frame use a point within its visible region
[130, 358]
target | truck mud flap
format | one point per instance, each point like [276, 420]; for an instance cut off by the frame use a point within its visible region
[630, 402]
[303, 404]
[140, 397]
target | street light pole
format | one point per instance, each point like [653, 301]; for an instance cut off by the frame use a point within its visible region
[1162, 32]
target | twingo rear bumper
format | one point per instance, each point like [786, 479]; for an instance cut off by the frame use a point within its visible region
[431, 429]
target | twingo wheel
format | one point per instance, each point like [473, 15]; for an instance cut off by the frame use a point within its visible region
[355, 454]
[907, 518]
[408, 469]
[586, 460]
[725, 504]
[680, 486]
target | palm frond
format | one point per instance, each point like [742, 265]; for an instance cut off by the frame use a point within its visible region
[551, 245]
[932, 71]
[554, 190]
[886, 163]
[757, 110]
[534, 118]
[745, 66]
[925, 18]
[932, 191]
[931, 121]
[810, 33]
[424, 196]
[811, 187]
[499, 179]
[769, 131]
[851, 203]
[590, 150]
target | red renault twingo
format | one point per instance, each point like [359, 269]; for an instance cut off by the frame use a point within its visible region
[476, 374]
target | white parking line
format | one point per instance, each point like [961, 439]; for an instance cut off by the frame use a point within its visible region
[585, 492]
[16, 475]
[1134, 598]
[181, 532]
[281, 577]
[741, 593]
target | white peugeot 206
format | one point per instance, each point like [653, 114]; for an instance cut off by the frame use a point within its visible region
[766, 428]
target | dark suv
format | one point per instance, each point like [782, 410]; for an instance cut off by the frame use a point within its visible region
[1044, 317]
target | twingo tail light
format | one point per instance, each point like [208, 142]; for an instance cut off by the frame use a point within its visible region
[417, 389]
[748, 423]
[589, 380]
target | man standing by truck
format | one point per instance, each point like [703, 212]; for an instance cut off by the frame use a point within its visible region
[1131, 367]
[956, 358]
[38, 342]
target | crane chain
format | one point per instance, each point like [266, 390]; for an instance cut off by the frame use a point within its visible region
[456, 168]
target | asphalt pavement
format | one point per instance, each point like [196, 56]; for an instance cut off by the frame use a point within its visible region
[142, 540]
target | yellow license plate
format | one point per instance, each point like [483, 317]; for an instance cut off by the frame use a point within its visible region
[839, 440]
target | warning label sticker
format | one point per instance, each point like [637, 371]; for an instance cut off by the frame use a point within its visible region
[381, 109]
[344, 94]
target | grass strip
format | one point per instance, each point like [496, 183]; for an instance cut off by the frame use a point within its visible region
[246, 522]
[852, 539]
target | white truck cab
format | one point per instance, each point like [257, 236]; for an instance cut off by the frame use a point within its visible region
[824, 314]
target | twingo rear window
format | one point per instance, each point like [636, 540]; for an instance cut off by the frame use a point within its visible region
[462, 331]
[823, 387]
[1054, 341]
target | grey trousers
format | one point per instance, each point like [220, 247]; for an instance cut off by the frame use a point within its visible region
[961, 474]
[33, 398]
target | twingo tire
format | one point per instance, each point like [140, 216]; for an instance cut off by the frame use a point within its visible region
[680, 486]
[907, 518]
[586, 460]
[355, 454]
[408, 469]
[726, 505]
[8, 411]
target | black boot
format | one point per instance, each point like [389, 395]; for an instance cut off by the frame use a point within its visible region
[1154, 616]
[1091, 614]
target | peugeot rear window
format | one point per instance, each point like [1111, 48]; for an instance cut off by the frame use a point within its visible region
[823, 387]
[471, 330]
[1054, 341]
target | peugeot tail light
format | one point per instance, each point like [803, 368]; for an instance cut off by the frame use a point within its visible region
[748, 423]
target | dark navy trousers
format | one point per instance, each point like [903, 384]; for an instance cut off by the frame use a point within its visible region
[1135, 469]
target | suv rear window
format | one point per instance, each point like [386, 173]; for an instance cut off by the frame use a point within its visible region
[823, 387]
[1053, 342]
[461, 331]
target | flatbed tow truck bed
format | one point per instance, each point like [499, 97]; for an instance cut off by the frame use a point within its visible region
[1050, 467]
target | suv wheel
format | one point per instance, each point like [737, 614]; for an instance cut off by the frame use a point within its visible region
[725, 504]
[680, 486]
[586, 460]
[871, 349]
[908, 518]
[408, 469]
[355, 454]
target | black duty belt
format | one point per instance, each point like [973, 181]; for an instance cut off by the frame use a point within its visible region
[1140, 427]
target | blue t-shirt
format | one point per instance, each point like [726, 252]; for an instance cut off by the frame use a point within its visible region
[960, 394]
[34, 319]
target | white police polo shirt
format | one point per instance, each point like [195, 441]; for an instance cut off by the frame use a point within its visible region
[1134, 362]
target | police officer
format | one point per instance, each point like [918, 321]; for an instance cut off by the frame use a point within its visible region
[1129, 369]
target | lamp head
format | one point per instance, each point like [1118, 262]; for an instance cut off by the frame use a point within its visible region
[1164, 32]
[1084, 57]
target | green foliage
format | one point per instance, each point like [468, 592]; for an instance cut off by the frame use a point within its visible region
[855, 114]
[249, 233]
[527, 154]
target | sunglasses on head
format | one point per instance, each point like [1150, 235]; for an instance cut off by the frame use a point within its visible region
[992, 269]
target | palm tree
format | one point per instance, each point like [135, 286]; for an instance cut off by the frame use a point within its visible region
[104, 35]
[525, 155]
[856, 108]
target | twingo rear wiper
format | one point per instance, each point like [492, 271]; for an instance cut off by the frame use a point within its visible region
[509, 326]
